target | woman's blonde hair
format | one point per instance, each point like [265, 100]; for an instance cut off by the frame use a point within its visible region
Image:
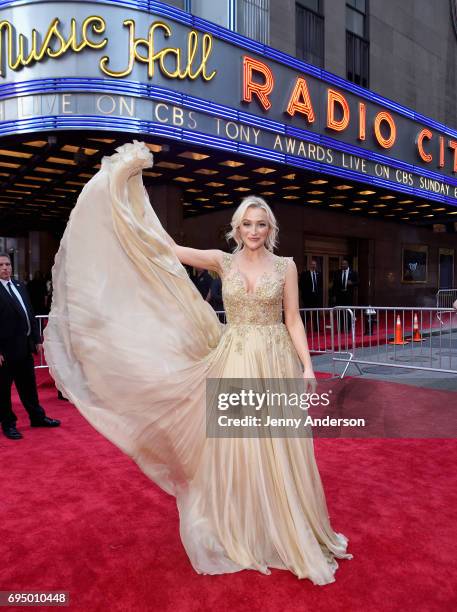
[238, 216]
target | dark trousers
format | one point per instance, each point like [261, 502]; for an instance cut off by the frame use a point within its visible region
[22, 373]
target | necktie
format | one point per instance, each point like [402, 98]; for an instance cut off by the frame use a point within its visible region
[18, 303]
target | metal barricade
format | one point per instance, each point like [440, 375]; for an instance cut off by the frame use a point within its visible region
[392, 337]
[445, 299]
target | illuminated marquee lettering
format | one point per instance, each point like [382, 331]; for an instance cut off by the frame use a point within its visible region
[426, 157]
[151, 57]
[334, 98]
[362, 121]
[387, 118]
[253, 67]
[300, 101]
[56, 43]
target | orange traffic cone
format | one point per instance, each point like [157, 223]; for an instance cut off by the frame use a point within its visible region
[398, 333]
[416, 333]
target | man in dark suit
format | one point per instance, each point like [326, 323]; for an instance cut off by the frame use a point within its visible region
[344, 283]
[19, 338]
[310, 285]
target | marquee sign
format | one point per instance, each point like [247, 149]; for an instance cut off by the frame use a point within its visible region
[114, 65]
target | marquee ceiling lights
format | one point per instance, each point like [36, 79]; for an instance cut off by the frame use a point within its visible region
[9, 165]
[49, 170]
[231, 163]
[316, 192]
[183, 179]
[405, 202]
[238, 177]
[290, 177]
[264, 170]
[314, 201]
[61, 160]
[169, 165]
[10, 153]
[76, 149]
[291, 187]
[355, 209]
[360, 201]
[318, 182]
[266, 183]
[343, 187]
[291, 197]
[213, 184]
[193, 155]
[366, 192]
[36, 143]
[221, 195]
[239, 188]
[206, 171]
[391, 197]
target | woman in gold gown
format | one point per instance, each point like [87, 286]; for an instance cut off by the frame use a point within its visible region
[131, 343]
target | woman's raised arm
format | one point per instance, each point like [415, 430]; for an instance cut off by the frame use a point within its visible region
[209, 259]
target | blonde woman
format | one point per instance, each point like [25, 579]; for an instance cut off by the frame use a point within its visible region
[132, 344]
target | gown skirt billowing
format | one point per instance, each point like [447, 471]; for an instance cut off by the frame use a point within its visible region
[131, 343]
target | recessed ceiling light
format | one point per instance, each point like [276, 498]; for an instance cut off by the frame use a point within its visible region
[264, 170]
[37, 178]
[48, 170]
[429, 215]
[388, 197]
[74, 183]
[289, 177]
[360, 201]
[213, 184]
[75, 149]
[389, 215]
[318, 182]
[227, 202]
[336, 205]
[380, 205]
[355, 208]
[291, 187]
[423, 205]
[241, 189]
[202, 199]
[8, 153]
[406, 202]
[193, 155]
[290, 197]
[366, 192]
[453, 212]
[192, 190]
[343, 187]
[221, 195]
[206, 171]
[268, 193]
[314, 201]
[36, 143]
[373, 212]
[105, 140]
[28, 185]
[22, 192]
[146, 173]
[208, 205]
[266, 183]
[438, 209]
[316, 192]
[231, 163]
[237, 177]
[170, 165]
[9, 165]
[183, 179]
[339, 197]
[61, 160]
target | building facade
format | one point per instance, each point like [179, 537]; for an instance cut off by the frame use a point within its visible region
[341, 114]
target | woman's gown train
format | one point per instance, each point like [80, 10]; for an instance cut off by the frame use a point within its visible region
[131, 343]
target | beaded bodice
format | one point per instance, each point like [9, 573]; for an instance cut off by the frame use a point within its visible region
[263, 306]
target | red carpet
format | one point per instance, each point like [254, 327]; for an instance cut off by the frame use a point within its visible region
[79, 516]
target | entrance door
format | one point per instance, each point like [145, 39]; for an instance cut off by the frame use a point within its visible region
[327, 265]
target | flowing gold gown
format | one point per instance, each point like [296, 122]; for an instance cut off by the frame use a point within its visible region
[131, 343]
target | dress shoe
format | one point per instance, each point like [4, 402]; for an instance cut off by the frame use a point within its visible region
[45, 422]
[12, 433]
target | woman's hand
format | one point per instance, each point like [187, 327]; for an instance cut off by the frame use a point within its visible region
[310, 381]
